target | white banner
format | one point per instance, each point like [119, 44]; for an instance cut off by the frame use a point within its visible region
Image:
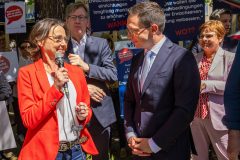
[7, 140]
[9, 65]
[15, 21]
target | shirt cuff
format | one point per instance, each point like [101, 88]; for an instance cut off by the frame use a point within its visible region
[153, 146]
[130, 134]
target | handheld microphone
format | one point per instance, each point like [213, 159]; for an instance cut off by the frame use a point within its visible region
[60, 62]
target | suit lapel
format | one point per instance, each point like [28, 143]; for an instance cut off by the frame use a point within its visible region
[88, 44]
[41, 75]
[137, 73]
[73, 77]
[69, 50]
[160, 59]
[198, 57]
[217, 59]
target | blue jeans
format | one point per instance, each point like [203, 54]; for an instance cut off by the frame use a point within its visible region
[75, 153]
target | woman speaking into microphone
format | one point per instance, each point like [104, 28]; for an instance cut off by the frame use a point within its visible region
[55, 122]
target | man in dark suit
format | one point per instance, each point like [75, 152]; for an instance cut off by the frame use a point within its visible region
[160, 104]
[94, 56]
[232, 108]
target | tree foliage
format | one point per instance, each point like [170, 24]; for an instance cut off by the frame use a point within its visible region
[51, 8]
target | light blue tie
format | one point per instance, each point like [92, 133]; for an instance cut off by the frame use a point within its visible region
[146, 67]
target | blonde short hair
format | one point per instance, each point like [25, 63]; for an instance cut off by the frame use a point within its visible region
[214, 26]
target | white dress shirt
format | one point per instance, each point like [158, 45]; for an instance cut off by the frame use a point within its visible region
[79, 47]
[64, 116]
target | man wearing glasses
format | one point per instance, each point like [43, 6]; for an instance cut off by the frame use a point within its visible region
[94, 56]
[162, 90]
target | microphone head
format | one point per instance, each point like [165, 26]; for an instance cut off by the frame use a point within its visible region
[58, 55]
[59, 59]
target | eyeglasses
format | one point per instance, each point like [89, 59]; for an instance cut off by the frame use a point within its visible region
[75, 18]
[207, 35]
[58, 39]
[136, 33]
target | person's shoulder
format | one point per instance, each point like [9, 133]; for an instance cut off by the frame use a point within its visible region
[28, 67]
[176, 50]
[73, 68]
[226, 52]
[99, 39]
[174, 46]
[229, 55]
[96, 41]
[27, 70]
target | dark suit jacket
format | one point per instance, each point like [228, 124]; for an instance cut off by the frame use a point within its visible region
[232, 95]
[99, 57]
[230, 44]
[166, 106]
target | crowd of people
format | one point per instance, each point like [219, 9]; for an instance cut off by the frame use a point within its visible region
[177, 104]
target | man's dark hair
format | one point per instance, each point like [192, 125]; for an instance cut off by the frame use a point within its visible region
[149, 13]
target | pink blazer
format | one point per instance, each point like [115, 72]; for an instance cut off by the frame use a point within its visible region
[37, 103]
[215, 85]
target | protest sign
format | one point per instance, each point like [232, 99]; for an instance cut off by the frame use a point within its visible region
[109, 15]
[124, 52]
[9, 65]
[7, 140]
[183, 18]
[15, 21]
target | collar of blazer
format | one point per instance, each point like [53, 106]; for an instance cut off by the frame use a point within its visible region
[70, 45]
[42, 75]
[219, 56]
[161, 57]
